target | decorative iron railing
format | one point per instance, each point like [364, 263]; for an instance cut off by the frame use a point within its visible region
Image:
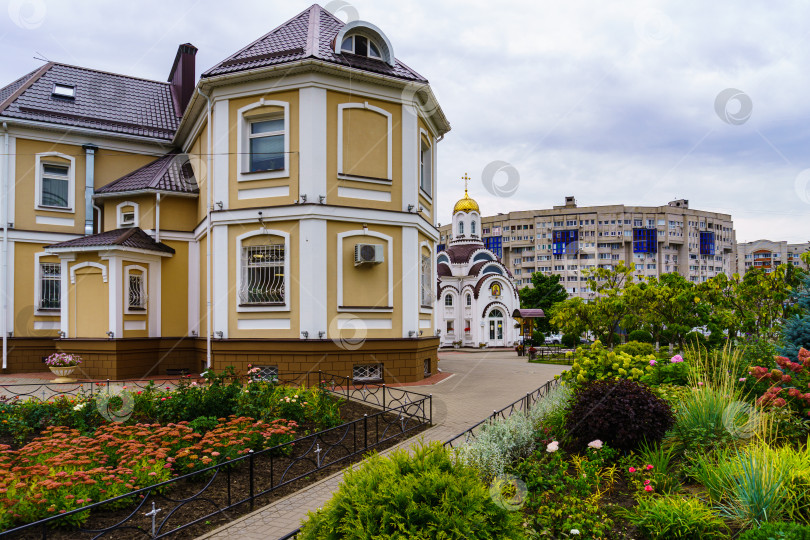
[164, 509]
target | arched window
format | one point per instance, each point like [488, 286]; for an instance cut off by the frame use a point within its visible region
[469, 299]
[495, 314]
[361, 46]
[461, 228]
[443, 259]
[448, 300]
[492, 269]
[472, 228]
[483, 256]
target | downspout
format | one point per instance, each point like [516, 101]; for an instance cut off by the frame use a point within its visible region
[157, 217]
[4, 315]
[209, 179]
[89, 186]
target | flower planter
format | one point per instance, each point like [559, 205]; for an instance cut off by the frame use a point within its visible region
[63, 374]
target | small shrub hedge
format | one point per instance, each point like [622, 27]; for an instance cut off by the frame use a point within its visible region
[640, 335]
[620, 412]
[570, 340]
[421, 494]
[596, 363]
[635, 348]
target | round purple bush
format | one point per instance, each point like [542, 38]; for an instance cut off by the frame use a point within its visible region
[620, 412]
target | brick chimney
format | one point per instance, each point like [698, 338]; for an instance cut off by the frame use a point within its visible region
[183, 77]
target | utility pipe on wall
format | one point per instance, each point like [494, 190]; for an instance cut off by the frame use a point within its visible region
[157, 217]
[89, 185]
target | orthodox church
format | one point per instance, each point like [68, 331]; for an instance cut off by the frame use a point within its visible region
[476, 292]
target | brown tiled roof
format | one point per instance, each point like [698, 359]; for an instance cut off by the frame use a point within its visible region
[172, 173]
[461, 253]
[133, 238]
[103, 101]
[307, 35]
[444, 270]
[528, 313]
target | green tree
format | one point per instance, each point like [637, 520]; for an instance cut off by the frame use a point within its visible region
[546, 292]
[796, 331]
[605, 308]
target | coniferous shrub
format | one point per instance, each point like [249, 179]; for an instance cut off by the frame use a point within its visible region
[418, 495]
[620, 412]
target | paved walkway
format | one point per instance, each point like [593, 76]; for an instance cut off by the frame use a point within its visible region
[481, 383]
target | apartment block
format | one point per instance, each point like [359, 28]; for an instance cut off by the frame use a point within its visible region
[768, 254]
[569, 239]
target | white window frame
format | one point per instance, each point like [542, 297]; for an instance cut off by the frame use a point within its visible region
[450, 297]
[53, 312]
[341, 109]
[243, 173]
[129, 310]
[369, 55]
[42, 159]
[287, 256]
[427, 194]
[119, 214]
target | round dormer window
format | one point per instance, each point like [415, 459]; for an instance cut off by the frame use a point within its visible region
[361, 46]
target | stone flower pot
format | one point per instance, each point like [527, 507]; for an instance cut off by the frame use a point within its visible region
[63, 374]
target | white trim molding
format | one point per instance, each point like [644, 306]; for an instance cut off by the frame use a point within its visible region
[263, 324]
[243, 140]
[119, 221]
[366, 194]
[263, 193]
[390, 262]
[58, 221]
[38, 163]
[389, 147]
[238, 276]
[85, 265]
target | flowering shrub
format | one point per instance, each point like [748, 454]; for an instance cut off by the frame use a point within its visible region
[63, 360]
[597, 363]
[786, 384]
[621, 412]
[63, 470]
[674, 371]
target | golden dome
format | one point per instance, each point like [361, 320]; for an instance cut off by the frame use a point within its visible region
[466, 205]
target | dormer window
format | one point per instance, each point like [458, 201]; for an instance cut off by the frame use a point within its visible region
[361, 46]
[64, 91]
[128, 219]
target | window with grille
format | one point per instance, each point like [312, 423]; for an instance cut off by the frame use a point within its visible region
[50, 292]
[262, 275]
[137, 294]
[265, 373]
[367, 372]
[425, 281]
[427, 367]
[55, 185]
[448, 300]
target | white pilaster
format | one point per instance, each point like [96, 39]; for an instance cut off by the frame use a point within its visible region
[411, 271]
[312, 142]
[219, 275]
[194, 286]
[155, 299]
[116, 295]
[410, 158]
[10, 288]
[312, 276]
[12, 184]
[64, 295]
[221, 135]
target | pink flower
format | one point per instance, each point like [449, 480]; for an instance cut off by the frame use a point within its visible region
[631, 469]
[596, 444]
[677, 358]
[163, 399]
[648, 488]
[700, 383]
[553, 446]
[646, 482]
[742, 379]
[649, 467]
[652, 362]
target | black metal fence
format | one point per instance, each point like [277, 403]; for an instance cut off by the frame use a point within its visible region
[524, 404]
[167, 508]
[48, 391]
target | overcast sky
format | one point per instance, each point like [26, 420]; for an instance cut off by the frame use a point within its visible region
[610, 102]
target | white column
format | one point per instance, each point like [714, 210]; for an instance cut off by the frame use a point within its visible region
[64, 284]
[410, 159]
[312, 143]
[411, 270]
[116, 295]
[219, 274]
[155, 299]
[9, 277]
[312, 276]
[221, 135]
[194, 286]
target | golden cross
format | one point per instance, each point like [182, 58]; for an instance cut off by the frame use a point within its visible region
[466, 180]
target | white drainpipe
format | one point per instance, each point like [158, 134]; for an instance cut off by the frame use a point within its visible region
[4, 273]
[89, 185]
[209, 179]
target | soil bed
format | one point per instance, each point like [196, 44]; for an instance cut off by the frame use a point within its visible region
[216, 491]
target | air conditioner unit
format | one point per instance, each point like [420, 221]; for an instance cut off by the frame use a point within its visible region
[368, 254]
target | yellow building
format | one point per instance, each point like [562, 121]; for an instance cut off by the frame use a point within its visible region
[278, 211]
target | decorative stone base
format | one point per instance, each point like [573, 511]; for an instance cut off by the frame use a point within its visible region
[403, 360]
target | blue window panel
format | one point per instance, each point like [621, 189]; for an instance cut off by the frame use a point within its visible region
[494, 244]
[707, 243]
[439, 248]
[565, 242]
[645, 240]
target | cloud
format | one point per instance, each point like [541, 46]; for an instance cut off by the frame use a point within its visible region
[613, 103]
